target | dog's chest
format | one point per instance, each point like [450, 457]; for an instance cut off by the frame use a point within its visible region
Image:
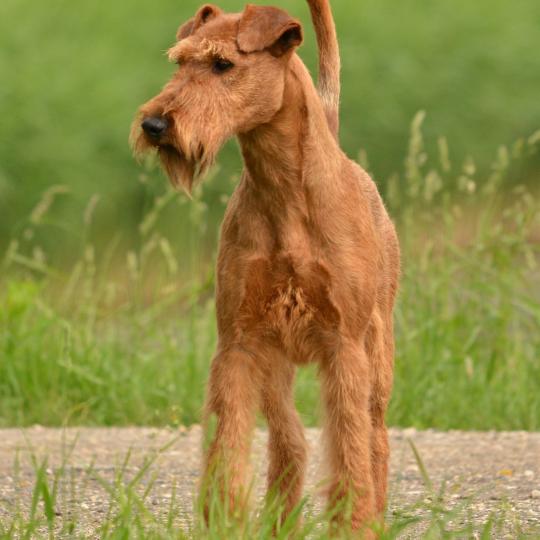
[288, 300]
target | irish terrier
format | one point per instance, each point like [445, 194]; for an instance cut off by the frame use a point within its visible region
[308, 262]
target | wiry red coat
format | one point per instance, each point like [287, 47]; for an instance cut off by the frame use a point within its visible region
[308, 262]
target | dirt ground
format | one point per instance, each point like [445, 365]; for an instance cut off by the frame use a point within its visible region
[482, 472]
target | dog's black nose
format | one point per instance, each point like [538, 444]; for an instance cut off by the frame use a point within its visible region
[154, 126]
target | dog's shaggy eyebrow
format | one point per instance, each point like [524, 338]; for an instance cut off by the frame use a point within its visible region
[202, 50]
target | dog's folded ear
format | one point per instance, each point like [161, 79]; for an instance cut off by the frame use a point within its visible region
[269, 28]
[205, 14]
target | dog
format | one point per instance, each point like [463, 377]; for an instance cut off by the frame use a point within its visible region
[308, 263]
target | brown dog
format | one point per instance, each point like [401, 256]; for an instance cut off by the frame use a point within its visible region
[309, 260]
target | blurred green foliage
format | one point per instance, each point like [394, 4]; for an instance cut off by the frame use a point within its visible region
[125, 335]
[73, 74]
[107, 274]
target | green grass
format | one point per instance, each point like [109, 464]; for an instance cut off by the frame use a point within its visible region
[73, 75]
[53, 511]
[125, 336]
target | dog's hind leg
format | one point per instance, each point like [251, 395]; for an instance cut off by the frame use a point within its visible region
[286, 444]
[346, 391]
[233, 395]
[380, 347]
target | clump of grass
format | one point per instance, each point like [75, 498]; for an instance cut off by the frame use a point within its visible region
[56, 509]
[469, 310]
[124, 334]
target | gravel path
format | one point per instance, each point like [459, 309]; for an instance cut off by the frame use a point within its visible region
[498, 470]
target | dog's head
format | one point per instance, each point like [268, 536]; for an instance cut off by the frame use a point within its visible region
[230, 79]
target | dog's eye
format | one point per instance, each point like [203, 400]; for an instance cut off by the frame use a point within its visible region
[221, 65]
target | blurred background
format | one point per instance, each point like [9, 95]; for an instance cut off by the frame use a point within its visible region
[73, 75]
[107, 274]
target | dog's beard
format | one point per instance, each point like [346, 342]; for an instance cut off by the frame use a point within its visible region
[184, 169]
[182, 172]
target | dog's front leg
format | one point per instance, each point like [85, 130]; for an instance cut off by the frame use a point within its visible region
[232, 396]
[346, 392]
[287, 448]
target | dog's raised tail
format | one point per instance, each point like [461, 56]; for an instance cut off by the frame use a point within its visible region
[329, 61]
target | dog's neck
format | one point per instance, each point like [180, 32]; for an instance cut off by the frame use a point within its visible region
[277, 154]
